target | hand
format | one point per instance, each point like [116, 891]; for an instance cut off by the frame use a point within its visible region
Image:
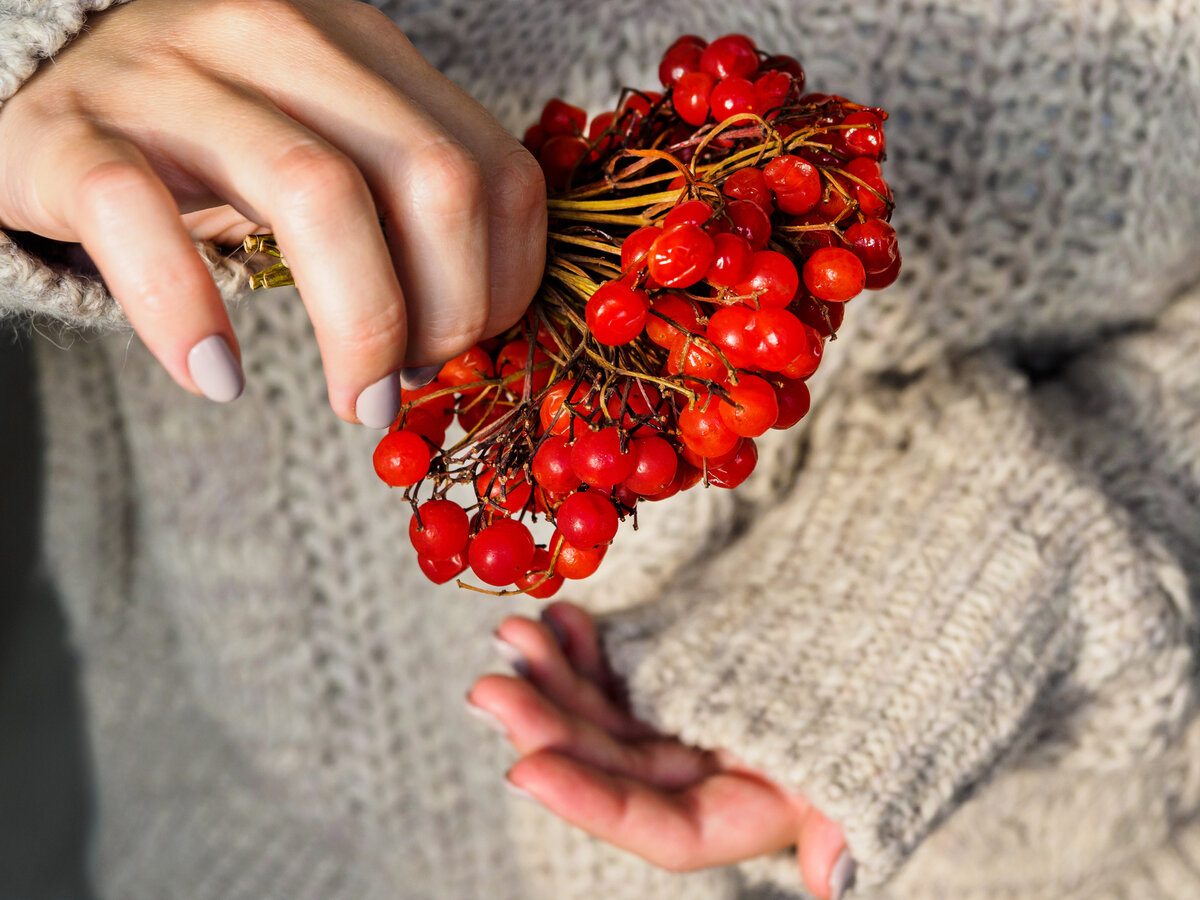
[587, 760]
[309, 118]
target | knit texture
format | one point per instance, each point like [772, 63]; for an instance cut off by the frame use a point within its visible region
[956, 608]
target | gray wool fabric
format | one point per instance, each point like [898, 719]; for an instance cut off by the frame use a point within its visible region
[956, 607]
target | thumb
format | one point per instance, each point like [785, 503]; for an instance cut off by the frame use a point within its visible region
[826, 865]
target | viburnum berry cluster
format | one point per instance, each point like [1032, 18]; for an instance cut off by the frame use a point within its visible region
[702, 244]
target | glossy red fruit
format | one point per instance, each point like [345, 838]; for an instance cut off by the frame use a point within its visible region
[695, 358]
[439, 571]
[790, 66]
[655, 462]
[752, 407]
[732, 472]
[866, 138]
[482, 412]
[731, 97]
[573, 562]
[539, 581]
[469, 366]
[874, 243]
[552, 465]
[587, 519]
[513, 359]
[686, 476]
[559, 156]
[535, 136]
[616, 313]
[874, 197]
[690, 96]
[878, 281]
[679, 61]
[834, 274]
[732, 260]
[441, 407]
[501, 553]
[748, 220]
[439, 529]
[779, 337]
[731, 329]
[598, 459]
[837, 199]
[562, 118]
[771, 91]
[730, 55]
[824, 318]
[507, 492]
[750, 184]
[642, 415]
[401, 458]
[671, 315]
[690, 212]
[796, 183]
[563, 404]
[809, 357]
[635, 247]
[681, 256]
[427, 425]
[772, 281]
[703, 430]
[794, 400]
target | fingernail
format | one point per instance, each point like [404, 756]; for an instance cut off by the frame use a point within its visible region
[560, 633]
[841, 877]
[487, 718]
[378, 405]
[215, 369]
[418, 376]
[519, 791]
[511, 655]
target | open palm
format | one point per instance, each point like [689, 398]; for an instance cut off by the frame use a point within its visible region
[586, 759]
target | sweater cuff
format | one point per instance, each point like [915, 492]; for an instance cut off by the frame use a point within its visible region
[899, 623]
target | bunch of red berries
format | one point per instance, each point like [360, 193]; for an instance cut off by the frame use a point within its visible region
[702, 244]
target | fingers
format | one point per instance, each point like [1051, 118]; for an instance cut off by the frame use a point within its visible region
[549, 670]
[722, 820]
[820, 846]
[582, 646]
[103, 191]
[533, 724]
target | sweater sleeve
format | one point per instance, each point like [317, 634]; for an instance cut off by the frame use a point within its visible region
[44, 278]
[972, 566]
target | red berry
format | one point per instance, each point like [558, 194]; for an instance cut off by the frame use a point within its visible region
[635, 247]
[772, 281]
[507, 492]
[639, 102]
[559, 156]
[695, 358]
[597, 458]
[733, 54]
[439, 571]
[730, 97]
[779, 337]
[750, 184]
[794, 401]
[482, 412]
[557, 410]
[690, 212]
[867, 138]
[806, 361]
[655, 462]
[753, 407]
[643, 402]
[702, 428]
[690, 96]
[470, 366]
[574, 562]
[788, 65]
[562, 118]
[748, 220]
[771, 91]
[681, 256]
[880, 280]
[439, 529]
[401, 458]
[834, 274]
[513, 359]
[824, 318]
[668, 314]
[441, 407]
[731, 329]
[874, 196]
[501, 552]
[732, 260]
[796, 183]
[552, 466]
[686, 476]
[427, 425]
[616, 313]
[535, 136]
[539, 581]
[874, 243]
[836, 199]
[679, 61]
[587, 519]
[732, 472]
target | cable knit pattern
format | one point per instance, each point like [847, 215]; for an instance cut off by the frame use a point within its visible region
[957, 607]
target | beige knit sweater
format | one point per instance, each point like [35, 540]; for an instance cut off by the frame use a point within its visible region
[957, 609]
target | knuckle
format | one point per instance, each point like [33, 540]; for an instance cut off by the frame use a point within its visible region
[110, 185]
[312, 179]
[257, 16]
[442, 347]
[446, 182]
[518, 190]
[374, 336]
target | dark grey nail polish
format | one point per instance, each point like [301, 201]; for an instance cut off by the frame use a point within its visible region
[841, 877]
[415, 377]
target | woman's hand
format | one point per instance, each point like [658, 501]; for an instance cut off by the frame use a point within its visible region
[310, 118]
[587, 760]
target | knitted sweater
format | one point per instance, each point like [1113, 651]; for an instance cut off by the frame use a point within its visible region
[956, 608]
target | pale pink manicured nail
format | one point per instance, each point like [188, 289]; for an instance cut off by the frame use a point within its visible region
[215, 369]
[511, 655]
[519, 791]
[841, 877]
[487, 718]
[378, 405]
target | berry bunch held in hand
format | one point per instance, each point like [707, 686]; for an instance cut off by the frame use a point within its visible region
[703, 242]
